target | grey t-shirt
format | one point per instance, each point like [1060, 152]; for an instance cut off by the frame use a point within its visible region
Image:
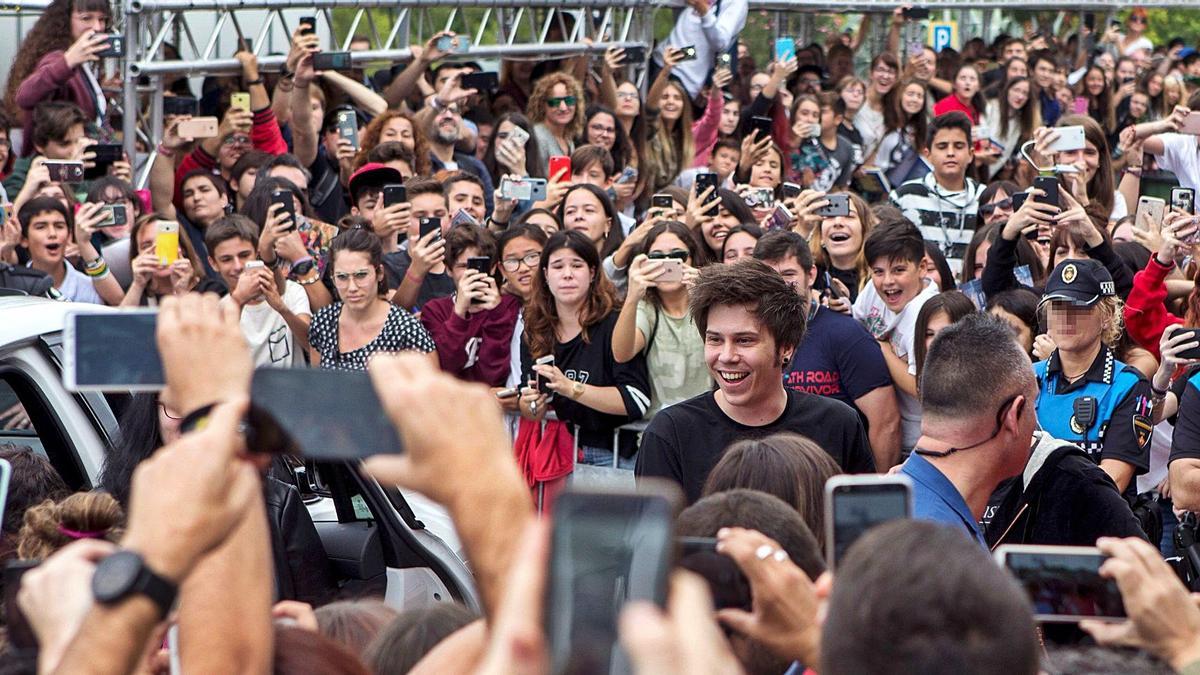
[675, 357]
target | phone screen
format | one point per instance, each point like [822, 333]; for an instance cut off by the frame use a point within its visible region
[1066, 586]
[21, 638]
[352, 424]
[858, 508]
[606, 549]
[114, 351]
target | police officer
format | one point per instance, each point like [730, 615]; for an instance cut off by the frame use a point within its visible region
[1086, 395]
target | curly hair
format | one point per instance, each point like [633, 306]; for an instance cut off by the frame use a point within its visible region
[51, 32]
[541, 312]
[52, 525]
[536, 110]
[371, 137]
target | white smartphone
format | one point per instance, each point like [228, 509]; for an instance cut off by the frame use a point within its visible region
[255, 264]
[1063, 582]
[856, 503]
[543, 384]
[112, 351]
[672, 271]
[518, 136]
[1069, 138]
[1153, 207]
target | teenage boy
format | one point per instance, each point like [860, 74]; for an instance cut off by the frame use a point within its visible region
[751, 322]
[944, 202]
[274, 324]
[723, 161]
[418, 270]
[58, 133]
[594, 165]
[464, 192]
[390, 223]
[46, 231]
[888, 308]
[838, 358]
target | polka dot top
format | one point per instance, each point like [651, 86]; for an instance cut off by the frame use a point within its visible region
[401, 332]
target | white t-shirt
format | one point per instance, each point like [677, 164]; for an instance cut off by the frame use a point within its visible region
[1181, 156]
[1142, 43]
[271, 341]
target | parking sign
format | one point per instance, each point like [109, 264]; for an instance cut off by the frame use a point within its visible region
[943, 34]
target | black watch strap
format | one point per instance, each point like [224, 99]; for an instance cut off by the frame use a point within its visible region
[197, 419]
[124, 574]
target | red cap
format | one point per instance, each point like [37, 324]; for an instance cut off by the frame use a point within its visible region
[373, 174]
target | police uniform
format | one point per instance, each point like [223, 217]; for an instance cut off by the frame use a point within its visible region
[1107, 411]
[1185, 442]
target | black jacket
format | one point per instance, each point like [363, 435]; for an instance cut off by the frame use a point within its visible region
[1067, 500]
[302, 570]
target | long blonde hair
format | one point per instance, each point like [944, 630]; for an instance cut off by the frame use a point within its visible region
[670, 151]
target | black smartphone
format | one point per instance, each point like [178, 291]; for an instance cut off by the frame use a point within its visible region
[308, 25]
[394, 194]
[331, 61]
[1193, 353]
[22, 641]
[729, 587]
[855, 504]
[116, 215]
[347, 126]
[635, 55]
[1049, 185]
[116, 351]
[791, 190]
[106, 154]
[353, 424]
[480, 263]
[287, 201]
[689, 53]
[607, 548]
[706, 180]
[661, 201]
[115, 47]
[1018, 200]
[1063, 582]
[760, 124]
[1183, 199]
[484, 83]
[916, 13]
[180, 105]
[431, 224]
[65, 171]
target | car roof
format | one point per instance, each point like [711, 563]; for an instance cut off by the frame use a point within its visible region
[23, 318]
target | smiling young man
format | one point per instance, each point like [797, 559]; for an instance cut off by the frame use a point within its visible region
[751, 321]
[945, 202]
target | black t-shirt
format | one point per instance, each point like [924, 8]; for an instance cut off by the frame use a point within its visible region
[838, 358]
[1185, 442]
[685, 441]
[848, 277]
[325, 189]
[395, 266]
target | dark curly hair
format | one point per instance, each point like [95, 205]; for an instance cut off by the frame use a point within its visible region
[51, 32]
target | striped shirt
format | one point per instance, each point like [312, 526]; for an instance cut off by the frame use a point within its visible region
[945, 218]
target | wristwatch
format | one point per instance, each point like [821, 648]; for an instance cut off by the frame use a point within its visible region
[576, 390]
[301, 268]
[125, 573]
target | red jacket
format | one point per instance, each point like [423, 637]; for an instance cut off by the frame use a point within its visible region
[477, 348]
[52, 80]
[1146, 315]
[264, 135]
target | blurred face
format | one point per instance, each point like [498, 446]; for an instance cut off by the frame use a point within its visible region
[146, 241]
[950, 154]
[739, 245]
[83, 21]
[716, 229]
[723, 162]
[47, 238]
[5, 146]
[1154, 85]
[245, 184]
[428, 205]
[229, 259]
[65, 147]
[883, 78]
[629, 102]
[1014, 50]
[742, 356]
[583, 211]
[853, 96]
[400, 130]
[1126, 70]
[444, 76]
[468, 196]
[757, 82]
[560, 105]
[767, 172]
[1044, 73]
[1093, 82]
[966, 83]
[291, 173]
[1172, 92]
[670, 104]
[1017, 69]
[1139, 105]
[459, 268]
[912, 100]
[233, 147]
[981, 258]
[731, 114]
[602, 130]
[897, 281]
[842, 236]
[796, 276]
[113, 196]
[1106, 63]
[593, 174]
[937, 322]
[446, 125]
[808, 113]
[545, 221]
[355, 279]
[1020, 330]
[1087, 159]
[568, 277]
[1068, 251]
[518, 262]
[1018, 95]
[1001, 208]
[668, 243]
[1074, 328]
[202, 203]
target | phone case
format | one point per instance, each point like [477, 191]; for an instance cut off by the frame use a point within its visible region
[239, 100]
[197, 127]
[557, 166]
[166, 244]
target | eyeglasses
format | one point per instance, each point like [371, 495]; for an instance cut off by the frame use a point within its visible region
[167, 412]
[557, 101]
[530, 260]
[884, 70]
[674, 254]
[236, 140]
[989, 209]
[627, 95]
[1137, 19]
[601, 129]
[343, 278]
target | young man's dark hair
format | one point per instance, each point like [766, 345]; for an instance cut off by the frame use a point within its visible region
[230, 227]
[900, 240]
[420, 185]
[38, 205]
[52, 121]
[728, 143]
[251, 159]
[750, 282]
[955, 119]
[782, 244]
[218, 182]
[33, 481]
[455, 178]
[918, 597]
[587, 155]
[286, 159]
[392, 151]
[1042, 55]
[831, 100]
[466, 236]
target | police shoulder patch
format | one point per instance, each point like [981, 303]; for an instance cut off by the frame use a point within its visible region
[1143, 430]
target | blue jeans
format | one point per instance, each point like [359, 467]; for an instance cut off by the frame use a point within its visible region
[604, 457]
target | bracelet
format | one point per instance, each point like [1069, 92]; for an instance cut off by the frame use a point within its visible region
[257, 80]
[99, 277]
[94, 263]
[1158, 393]
[165, 151]
[414, 279]
[316, 276]
[1135, 170]
[196, 420]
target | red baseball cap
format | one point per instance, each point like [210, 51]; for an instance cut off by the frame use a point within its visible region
[373, 174]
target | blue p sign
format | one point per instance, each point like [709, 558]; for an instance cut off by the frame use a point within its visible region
[942, 34]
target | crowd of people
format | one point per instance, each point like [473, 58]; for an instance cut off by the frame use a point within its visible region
[746, 278]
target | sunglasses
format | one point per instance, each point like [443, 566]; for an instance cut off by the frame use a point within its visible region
[989, 209]
[559, 100]
[676, 254]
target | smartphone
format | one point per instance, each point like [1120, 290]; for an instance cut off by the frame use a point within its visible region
[725, 60]
[462, 217]
[1048, 185]
[166, 244]
[287, 202]
[347, 126]
[115, 215]
[518, 136]
[1018, 200]
[527, 189]
[431, 224]
[115, 48]
[729, 587]
[331, 61]
[855, 504]
[560, 164]
[22, 641]
[394, 194]
[635, 55]
[1063, 582]
[672, 271]
[606, 548]
[915, 49]
[511, 392]
[543, 383]
[255, 264]
[1151, 207]
[781, 218]
[762, 125]
[197, 127]
[107, 153]
[1183, 199]
[706, 180]
[1069, 138]
[689, 53]
[356, 426]
[628, 175]
[785, 48]
[662, 201]
[1193, 353]
[916, 13]
[112, 351]
[791, 190]
[484, 83]
[760, 198]
[308, 25]
[65, 171]
[481, 264]
[456, 44]
[239, 99]
[180, 105]
[839, 205]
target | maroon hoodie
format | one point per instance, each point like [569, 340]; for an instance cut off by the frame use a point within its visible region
[477, 348]
[52, 80]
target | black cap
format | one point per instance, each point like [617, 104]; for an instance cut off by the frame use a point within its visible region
[1081, 282]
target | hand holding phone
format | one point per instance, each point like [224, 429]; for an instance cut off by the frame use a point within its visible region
[856, 503]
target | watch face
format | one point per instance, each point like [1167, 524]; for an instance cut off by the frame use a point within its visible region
[115, 576]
